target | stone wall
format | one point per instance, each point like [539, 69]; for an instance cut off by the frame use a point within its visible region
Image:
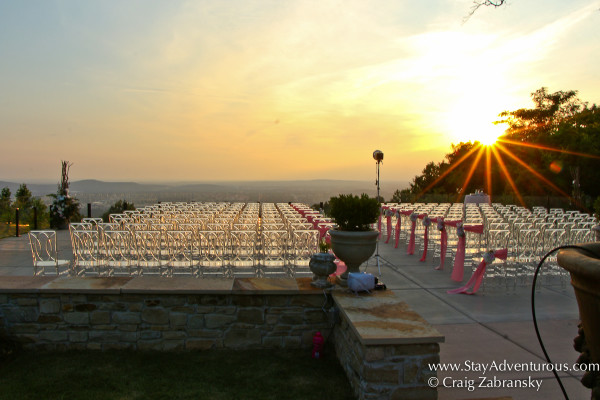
[162, 322]
[379, 371]
[382, 344]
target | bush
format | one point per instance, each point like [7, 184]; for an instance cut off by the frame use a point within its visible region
[118, 208]
[353, 213]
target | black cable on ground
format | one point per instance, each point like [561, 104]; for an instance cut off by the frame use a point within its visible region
[537, 331]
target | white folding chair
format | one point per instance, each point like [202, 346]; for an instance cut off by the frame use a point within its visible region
[46, 260]
[179, 256]
[243, 259]
[305, 243]
[273, 252]
[86, 254]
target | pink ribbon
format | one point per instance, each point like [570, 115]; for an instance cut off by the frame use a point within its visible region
[397, 231]
[383, 208]
[411, 243]
[477, 276]
[322, 231]
[444, 240]
[399, 224]
[459, 260]
[388, 222]
[426, 239]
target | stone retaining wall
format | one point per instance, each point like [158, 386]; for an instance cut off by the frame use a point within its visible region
[162, 322]
[386, 371]
[383, 345]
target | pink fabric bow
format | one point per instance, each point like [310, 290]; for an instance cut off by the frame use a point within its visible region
[388, 222]
[444, 241]
[383, 208]
[322, 231]
[411, 243]
[477, 276]
[459, 260]
[399, 224]
[425, 238]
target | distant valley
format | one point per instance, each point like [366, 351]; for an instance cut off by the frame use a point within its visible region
[102, 194]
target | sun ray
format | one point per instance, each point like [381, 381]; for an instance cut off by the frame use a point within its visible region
[541, 147]
[534, 172]
[507, 175]
[488, 171]
[470, 174]
[442, 176]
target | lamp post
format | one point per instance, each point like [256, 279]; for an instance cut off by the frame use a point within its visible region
[378, 157]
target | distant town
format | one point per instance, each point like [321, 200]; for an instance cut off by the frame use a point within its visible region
[101, 195]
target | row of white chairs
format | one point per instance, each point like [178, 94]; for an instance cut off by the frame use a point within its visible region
[225, 239]
[528, 235]
[197, 253]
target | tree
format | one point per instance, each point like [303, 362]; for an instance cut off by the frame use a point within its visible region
[23, 197]
[478, 3]
[43, 218]
[6, 213]
[550, 149]
[562, 138]
[118, 208]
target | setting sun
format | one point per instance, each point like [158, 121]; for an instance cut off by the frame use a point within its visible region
[476, 130]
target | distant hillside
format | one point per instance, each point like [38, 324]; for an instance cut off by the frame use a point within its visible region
[308, 191]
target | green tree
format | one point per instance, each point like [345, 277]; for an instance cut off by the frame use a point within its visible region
[118, 208]
[550, 149]
[562, 134]
[43, 218]
[23, 197]
[6, 212]
[24, 202]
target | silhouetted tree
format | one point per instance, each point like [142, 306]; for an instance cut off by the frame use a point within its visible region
[118, 208]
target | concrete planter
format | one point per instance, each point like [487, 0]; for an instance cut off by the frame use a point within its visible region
[322, 265]
[353, 248]
[584, 268]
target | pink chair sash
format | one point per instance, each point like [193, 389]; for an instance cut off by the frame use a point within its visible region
[444, 241]
[381, 212]
[397, 231]
[411, 243]
[322, 231]
[477, 276]
[459, 260]
[399, 225]
[426, 239]
[388, 222]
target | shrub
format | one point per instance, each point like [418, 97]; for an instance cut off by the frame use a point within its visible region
[354, 213]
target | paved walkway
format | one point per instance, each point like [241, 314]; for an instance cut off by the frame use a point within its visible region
[493, 328]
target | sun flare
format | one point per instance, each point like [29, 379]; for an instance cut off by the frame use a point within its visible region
[476, 129]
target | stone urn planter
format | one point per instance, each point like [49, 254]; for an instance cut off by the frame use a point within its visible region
[322, 265]
[584, 268]
[353, 248]
[353, 241]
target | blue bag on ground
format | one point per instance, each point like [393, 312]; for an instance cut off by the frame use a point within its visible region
[360, 281]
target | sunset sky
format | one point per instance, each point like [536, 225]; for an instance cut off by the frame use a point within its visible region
[273, 90]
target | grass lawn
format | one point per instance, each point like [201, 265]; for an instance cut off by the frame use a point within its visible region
[218, 374]
[8, 229]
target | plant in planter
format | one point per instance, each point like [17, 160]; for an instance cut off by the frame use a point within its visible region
[322, 265]
[353, 241]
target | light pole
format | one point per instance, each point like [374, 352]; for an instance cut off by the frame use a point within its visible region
[378, 157]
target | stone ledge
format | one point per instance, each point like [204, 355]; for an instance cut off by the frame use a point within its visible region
[155, 285]
[382, 318]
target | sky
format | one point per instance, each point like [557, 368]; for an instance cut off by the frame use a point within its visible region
[212, 90]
